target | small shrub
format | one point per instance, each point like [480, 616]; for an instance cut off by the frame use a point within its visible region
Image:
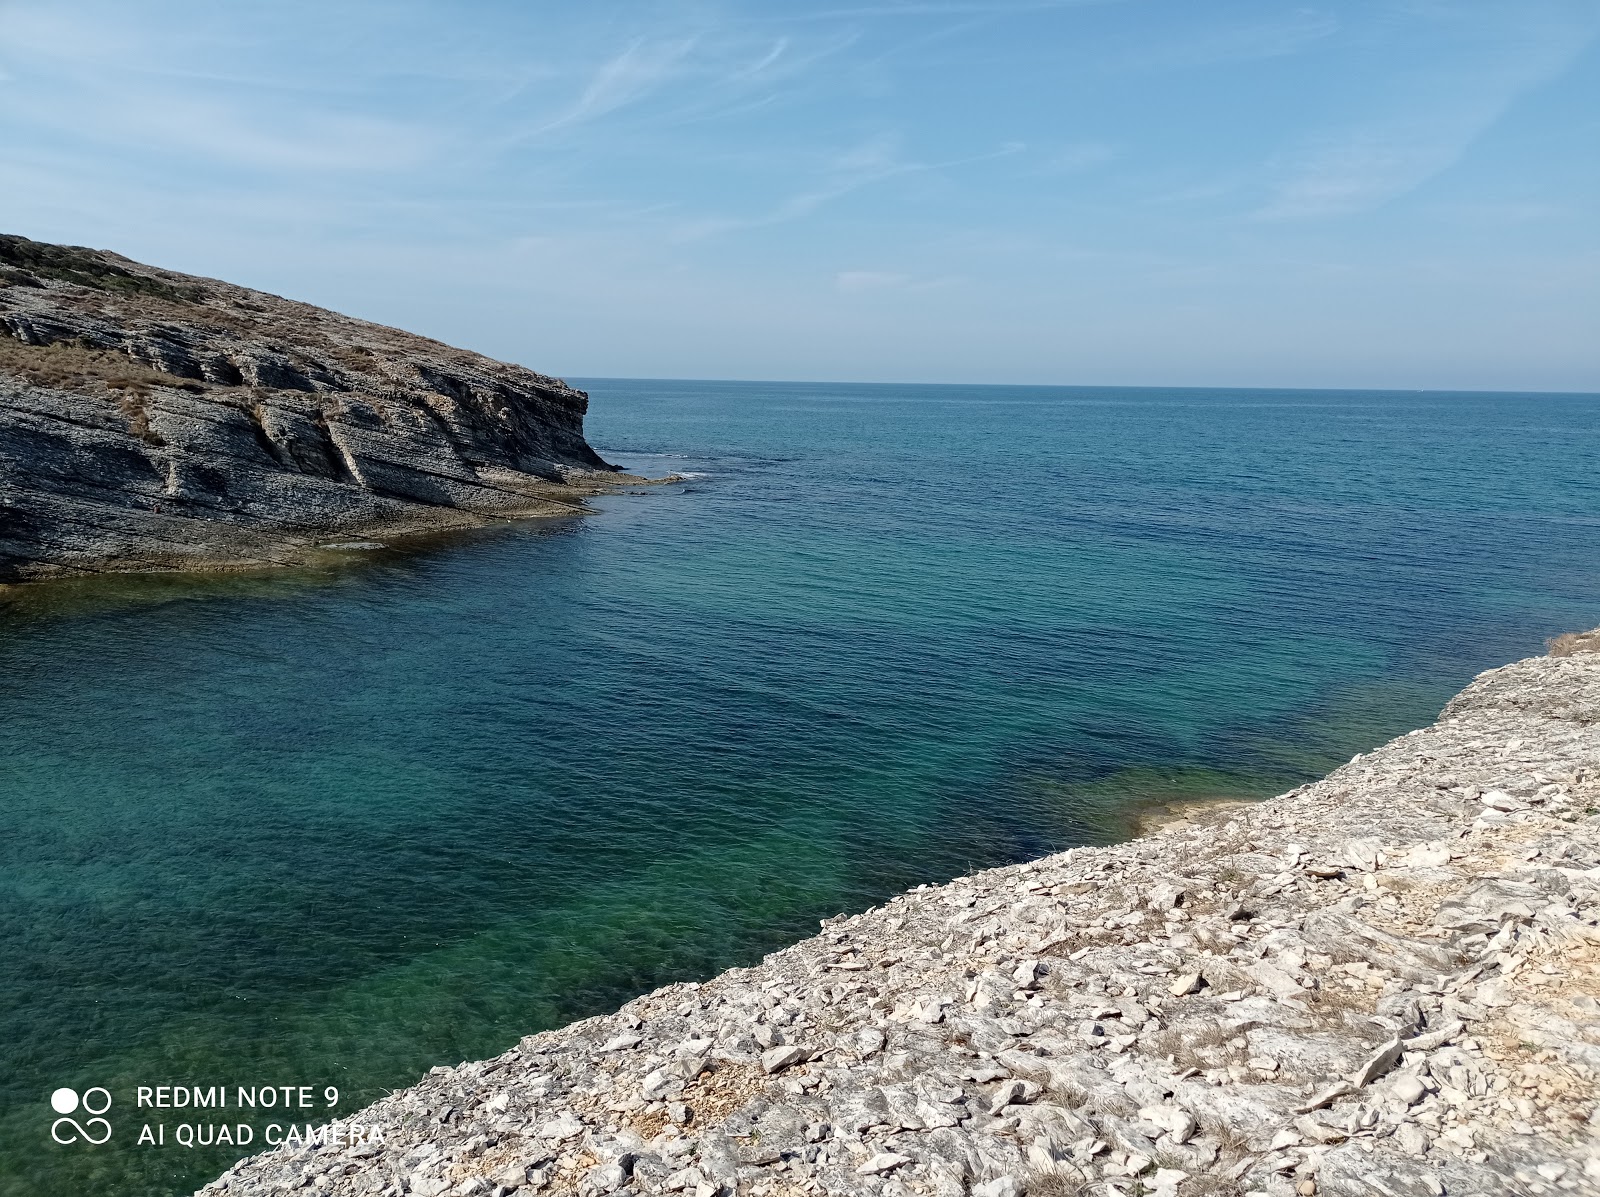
[1055, 1183]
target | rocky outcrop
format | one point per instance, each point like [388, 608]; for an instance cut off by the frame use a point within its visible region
[150, 420]
[1386, 983]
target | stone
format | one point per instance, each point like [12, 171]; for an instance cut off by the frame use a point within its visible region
[884, 1161]
[1319, 1132]
[663, 1082]
[684, 1179]
[780, 1058]
[1409, 1089]
[1427, 856]
[567, 1126]
[1502, 801]
[1165, 896]
[1000, 1186]
[512, 1176]
[1186, 983]
[1435, 1038]
[1178, 1124]
[1013, 1092]
[1378, 1063]
[1413, 1140]
[607, 1178]
[1363, 853]
[1326, 1097]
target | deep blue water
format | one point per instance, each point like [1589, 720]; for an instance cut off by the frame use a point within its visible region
[332, 827]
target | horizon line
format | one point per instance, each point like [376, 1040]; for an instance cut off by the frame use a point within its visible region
[1079, 386]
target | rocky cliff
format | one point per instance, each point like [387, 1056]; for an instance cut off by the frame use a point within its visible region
[1384, 984]
[152, 420]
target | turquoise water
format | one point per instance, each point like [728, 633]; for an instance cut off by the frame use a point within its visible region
[332, 827]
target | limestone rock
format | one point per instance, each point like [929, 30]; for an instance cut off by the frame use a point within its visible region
[150, 421]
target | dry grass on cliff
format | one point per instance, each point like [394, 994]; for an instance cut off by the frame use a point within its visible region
[75, 368]
[1570, 643]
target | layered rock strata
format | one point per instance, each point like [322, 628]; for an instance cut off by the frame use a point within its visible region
[1384, 984]
[152, 420]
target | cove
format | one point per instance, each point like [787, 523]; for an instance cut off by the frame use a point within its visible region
[330, 828]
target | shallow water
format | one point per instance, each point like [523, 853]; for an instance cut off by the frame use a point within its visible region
[333, 827]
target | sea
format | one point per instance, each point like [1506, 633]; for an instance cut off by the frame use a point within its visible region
[319, 830]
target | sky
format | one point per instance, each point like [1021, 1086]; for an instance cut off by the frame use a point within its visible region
[1374, 193]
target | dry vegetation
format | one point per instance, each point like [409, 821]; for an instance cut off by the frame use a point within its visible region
[89, 371]
[1574, 642]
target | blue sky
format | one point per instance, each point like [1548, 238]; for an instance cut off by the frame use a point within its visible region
[1375, 193]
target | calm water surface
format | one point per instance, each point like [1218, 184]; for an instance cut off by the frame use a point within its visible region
[333, 827]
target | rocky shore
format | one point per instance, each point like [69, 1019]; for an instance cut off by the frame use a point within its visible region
[1384, 983]
[150, 420]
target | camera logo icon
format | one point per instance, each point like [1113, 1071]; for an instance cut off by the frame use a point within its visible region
[94, 1102]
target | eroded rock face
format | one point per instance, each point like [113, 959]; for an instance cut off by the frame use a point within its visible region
[150, 420]
[1387, 982]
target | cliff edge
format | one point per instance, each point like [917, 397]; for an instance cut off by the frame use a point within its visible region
[152, 420]
[1384, 984]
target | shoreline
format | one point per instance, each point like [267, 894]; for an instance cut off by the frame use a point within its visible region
[1385, 981]
[238, 550]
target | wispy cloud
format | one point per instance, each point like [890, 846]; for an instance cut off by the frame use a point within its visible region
[920, 8]
[1435, 113]
[755, 69]
[107, 80]
[964, 178]
[1275, 37]
[635, 73]
[871, 162]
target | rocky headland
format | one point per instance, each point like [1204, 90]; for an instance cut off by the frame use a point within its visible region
[1386, 983]
[151, 420]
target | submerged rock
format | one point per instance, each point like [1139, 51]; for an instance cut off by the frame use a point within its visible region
[151, 420]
